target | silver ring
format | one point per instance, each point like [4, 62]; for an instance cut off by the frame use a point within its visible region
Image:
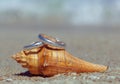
[34, 45]
[51, 41]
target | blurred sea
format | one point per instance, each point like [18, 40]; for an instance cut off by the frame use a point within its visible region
[59, 12]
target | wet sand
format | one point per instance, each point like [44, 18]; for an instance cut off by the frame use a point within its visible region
[96, 45]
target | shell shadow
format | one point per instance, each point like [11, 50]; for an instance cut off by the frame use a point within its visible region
[28, 74]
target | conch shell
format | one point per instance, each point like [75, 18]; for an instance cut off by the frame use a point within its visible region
[49, 60]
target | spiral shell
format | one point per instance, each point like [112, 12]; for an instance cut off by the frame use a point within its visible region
[48, 60]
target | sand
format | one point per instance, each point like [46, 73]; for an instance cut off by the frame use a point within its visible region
[99, 45]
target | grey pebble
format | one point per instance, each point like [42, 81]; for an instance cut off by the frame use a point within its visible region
[9, 80]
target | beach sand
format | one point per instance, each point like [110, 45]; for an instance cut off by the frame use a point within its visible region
[98, 45]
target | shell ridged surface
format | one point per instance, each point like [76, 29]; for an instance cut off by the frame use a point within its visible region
[48, 61]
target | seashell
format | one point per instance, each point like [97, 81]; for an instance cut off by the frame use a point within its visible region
[47, 59]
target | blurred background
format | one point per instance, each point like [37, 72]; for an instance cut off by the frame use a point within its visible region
[72, 12]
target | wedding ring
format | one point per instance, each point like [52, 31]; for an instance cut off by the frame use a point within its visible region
[34, 45]
[51, 41]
